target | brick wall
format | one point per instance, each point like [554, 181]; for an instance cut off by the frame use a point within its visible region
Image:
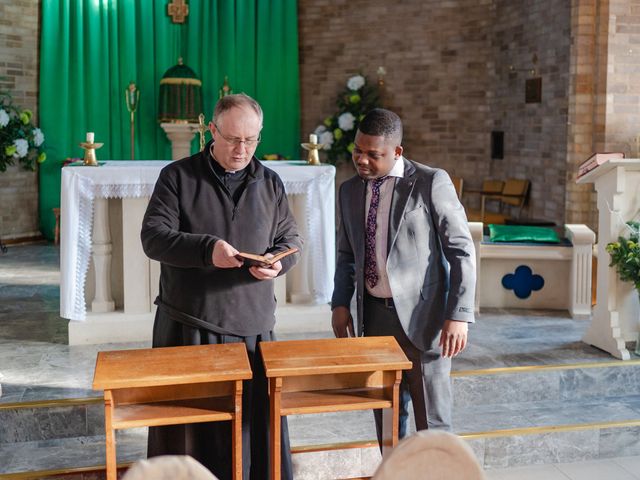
[622, 129]
[532, 40]
[19, 33]
[587, 103]
[605, 92]
[436, 54]
[449, 79]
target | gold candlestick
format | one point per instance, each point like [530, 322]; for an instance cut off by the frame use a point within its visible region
[313, 146]
[90, 153]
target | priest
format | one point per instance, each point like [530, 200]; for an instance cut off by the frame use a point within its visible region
[203, 211]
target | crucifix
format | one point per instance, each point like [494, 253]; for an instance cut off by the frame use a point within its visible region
[177, 10]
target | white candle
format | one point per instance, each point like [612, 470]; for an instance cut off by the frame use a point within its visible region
[90, 137]
[313, 138]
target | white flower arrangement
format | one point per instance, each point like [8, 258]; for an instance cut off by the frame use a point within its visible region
[326, 139]
[338, 131]
[4, 118]
[19, 139]
[346, 121]
[22, 147]
[38, 137]
[356, 82]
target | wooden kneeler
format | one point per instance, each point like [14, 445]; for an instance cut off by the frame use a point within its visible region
[333, 375]
[170, 386]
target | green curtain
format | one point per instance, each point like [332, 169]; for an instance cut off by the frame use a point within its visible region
[91, 50]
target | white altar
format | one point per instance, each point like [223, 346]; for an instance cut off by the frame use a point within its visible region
[108, 285]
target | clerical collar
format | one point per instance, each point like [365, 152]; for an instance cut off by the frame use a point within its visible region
[219, 169]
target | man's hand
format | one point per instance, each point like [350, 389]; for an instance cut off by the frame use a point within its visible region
[453, 337]
[266, 273]
[342, 322]
[224, 255]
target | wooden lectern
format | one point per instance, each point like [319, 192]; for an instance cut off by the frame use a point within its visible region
[333, 375]
[171, 386]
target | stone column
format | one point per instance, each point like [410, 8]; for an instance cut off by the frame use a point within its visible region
[180, 135]
[101, 247]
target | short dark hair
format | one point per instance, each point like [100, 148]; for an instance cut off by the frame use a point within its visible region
[238, 100]
[380, 122]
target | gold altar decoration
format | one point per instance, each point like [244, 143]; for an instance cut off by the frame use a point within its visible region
[131, 98]
[90, 150]
[225, 89]
[177, 10]
[180, 98]
[313, 146]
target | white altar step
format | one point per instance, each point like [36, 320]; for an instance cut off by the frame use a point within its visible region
[297, 319]
[121, 327]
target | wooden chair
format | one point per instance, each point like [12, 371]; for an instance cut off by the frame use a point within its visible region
[458, 183]
[514, 194]
[489, 187]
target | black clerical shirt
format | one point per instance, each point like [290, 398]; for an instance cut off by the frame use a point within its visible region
[233, 182]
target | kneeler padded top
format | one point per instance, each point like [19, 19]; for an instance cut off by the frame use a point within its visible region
[522, 233]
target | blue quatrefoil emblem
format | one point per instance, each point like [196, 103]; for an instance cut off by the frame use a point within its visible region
[522, 282]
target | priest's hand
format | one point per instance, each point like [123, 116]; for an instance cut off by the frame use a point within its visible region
[224, 255]
[453, 337]
[342, 322]
[266, 273]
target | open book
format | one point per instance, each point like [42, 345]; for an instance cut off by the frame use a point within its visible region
[251, 259]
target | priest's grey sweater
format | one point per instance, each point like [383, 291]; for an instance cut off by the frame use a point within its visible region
[190, 209]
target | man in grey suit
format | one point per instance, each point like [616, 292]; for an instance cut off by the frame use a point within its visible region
[404, 245]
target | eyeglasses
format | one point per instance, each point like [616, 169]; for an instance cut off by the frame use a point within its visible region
[248, 142]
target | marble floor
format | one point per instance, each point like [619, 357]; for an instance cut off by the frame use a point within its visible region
[37, 364]
[621, 468]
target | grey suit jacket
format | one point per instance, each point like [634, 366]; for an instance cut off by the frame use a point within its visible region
[431, 258]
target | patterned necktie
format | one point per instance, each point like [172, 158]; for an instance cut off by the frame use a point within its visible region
[370, 267]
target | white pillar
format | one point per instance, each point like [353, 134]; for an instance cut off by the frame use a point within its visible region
[180, 135]
[298, 284]
[582, 239]
[101, 248]
[135, 263]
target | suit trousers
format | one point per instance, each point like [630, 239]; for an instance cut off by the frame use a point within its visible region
[428, 381]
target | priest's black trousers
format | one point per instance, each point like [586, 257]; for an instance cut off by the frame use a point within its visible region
[210, 443]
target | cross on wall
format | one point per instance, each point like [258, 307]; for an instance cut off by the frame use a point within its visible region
[177, 10]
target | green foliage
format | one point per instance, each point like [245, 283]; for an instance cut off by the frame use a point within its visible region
[19, 139]
[625, 256]
[338, 131]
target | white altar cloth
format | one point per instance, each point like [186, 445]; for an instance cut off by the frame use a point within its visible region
[313, 185]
